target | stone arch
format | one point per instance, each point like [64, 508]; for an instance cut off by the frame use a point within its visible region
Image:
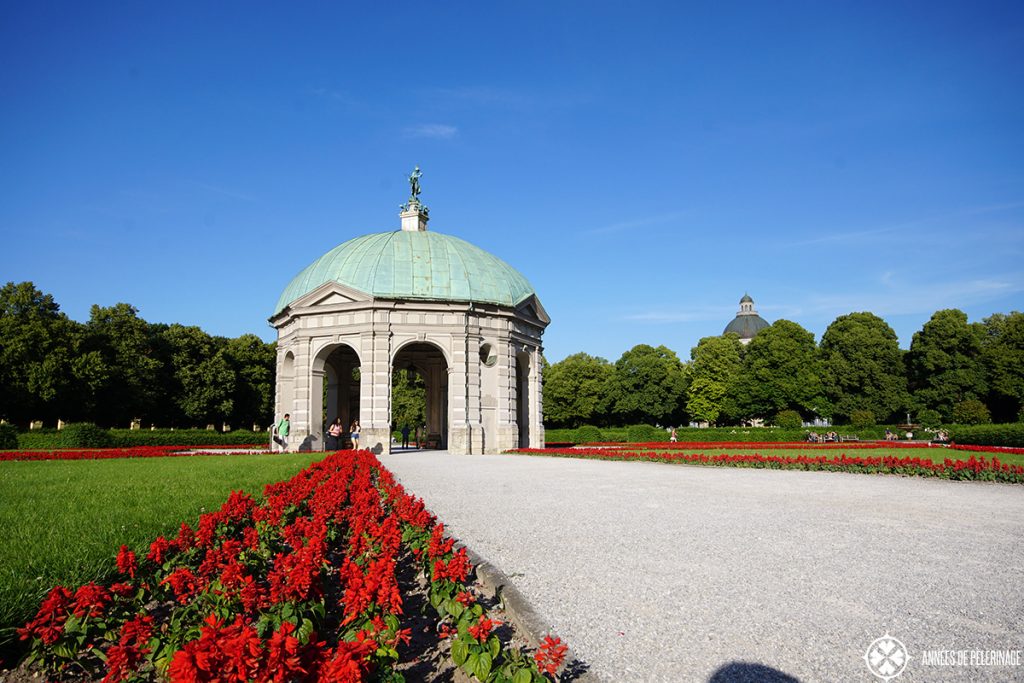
[524, 368]
[286, 382]
[334, 389]
[428, 359]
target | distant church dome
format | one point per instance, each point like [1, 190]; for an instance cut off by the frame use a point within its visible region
[747, 322]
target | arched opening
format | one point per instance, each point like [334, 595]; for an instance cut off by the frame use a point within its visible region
[523, 398]
[339, 392]
[423, 365]
[286, 398]
[408, 406]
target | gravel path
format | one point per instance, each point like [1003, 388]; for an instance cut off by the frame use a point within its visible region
[658, 572]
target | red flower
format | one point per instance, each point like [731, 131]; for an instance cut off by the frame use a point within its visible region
[124, 658]
[184, 583]
[483, 628]
[465, 598]
[158, 550]
[550, 655]
[48, 624]
[90, 600]
[126, 562]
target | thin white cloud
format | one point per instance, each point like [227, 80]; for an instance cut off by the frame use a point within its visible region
[894, 298]
[868, 235]
[908, 298]
[635, 223]
[683, 315]
[434, 131]
[216, 189]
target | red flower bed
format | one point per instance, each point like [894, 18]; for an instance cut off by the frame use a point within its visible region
[132, 452]
[300, 587]
[778, 445]
[972, 468]
[988, 449]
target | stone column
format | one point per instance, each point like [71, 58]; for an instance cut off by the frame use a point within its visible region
[315, 439]
[536, 401]
[508, 428]
[299, 437]
[375, 389]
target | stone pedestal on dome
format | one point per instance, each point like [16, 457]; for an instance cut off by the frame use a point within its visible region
[463, 319]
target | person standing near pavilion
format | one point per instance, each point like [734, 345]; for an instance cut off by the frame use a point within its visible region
[283, 428]
[355, 435]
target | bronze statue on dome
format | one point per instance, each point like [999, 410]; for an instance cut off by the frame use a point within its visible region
[414, 184]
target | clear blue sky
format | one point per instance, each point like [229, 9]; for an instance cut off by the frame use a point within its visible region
[642, 164]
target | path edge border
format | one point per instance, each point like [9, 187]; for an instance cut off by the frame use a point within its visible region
[525, 616]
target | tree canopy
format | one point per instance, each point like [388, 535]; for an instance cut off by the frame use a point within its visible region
[944, 363]
[862, 367]
[116, 367]
[781, 372]
[576, 391]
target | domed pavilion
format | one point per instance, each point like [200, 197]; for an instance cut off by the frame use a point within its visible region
[461, 318]
[747, 322]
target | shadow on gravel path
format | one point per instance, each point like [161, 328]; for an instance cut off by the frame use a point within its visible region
[747, 672]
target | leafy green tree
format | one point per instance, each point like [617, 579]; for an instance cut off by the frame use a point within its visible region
[203, 382]
[125, 343]
[971, 412]
[781, 372]
[716, 363]
[36, 355]
[649, 386]
[576, 391]
[788, 419]
[252, 361]
[862, 418]
[945, 365]
[408, 399]
[863, 368]
[1003, 357]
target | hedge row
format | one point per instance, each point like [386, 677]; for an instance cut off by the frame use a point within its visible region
[646, 433]
[1011, 434]
[89, 436]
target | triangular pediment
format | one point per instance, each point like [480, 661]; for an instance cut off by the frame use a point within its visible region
[531, 308]
[330, 294]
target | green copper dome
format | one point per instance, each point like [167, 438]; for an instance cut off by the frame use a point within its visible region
[746, 326]
[413, 265]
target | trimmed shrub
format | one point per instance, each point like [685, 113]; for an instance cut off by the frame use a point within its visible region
[587, 434]
[971, 412]
[645, 433]
[8, 437]
[1010, 434]
[788, 419]
[929, 418]
[862, 418]
[83, 435]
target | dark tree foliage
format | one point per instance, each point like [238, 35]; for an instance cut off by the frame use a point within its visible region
[1003, 358]
[648, 386]
[117, 367]
[945, 365]
[781, 372]
[714, 371]
[576, 391]
[862, 368]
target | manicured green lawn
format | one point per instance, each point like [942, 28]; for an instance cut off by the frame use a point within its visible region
[935, 454]
[63, 521]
